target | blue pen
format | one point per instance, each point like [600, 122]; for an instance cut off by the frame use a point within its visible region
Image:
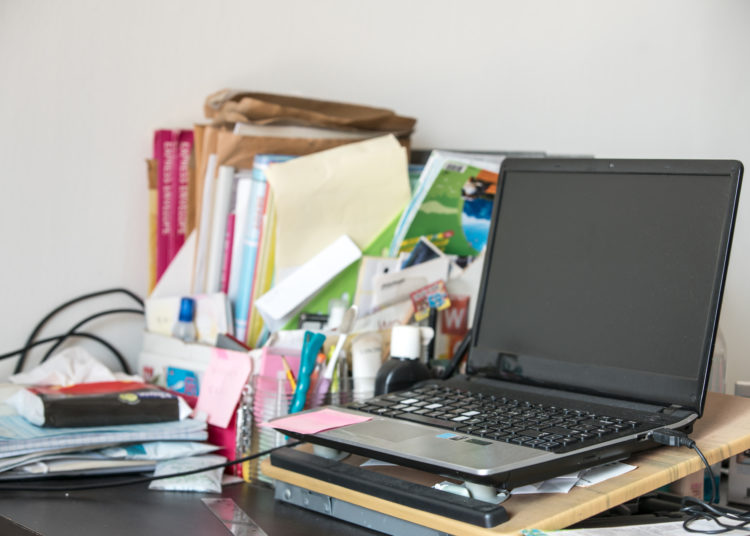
[312, 345]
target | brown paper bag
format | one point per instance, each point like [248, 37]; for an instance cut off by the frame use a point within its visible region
[239, 151]
[231, 106]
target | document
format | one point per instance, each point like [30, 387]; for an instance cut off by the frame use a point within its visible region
[356, 189]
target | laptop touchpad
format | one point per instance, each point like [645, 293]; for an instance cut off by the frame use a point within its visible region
[387, 430]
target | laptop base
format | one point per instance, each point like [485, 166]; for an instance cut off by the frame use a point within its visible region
[382, 486]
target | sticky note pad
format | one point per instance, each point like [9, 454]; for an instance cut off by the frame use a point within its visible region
[316, 421]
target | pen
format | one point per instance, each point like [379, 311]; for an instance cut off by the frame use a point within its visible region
[289, 374]
[313, 343]
[324, 381]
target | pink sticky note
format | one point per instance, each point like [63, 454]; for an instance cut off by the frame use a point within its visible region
[221, 385]
[316, 421]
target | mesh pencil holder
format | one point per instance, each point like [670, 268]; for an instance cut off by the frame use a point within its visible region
[271, 398]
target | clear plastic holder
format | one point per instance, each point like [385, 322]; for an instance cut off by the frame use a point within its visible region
[270, 397]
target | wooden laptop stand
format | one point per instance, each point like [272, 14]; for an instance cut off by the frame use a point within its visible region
[722, 432]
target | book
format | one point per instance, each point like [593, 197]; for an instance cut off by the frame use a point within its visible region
[241, 206]
[182, 186]
[204, 146]
[453, 201]
[196, 183]
[252, 237]
[153, 215]
[226, 261]
[165, 153]
[264, 276]
[98, 404]
[204, 227]
[218, 224]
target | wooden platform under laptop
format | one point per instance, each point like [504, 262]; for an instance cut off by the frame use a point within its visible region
[723, 432]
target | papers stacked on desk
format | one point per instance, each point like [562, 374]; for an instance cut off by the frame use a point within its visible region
[28, 451]
[18, 436]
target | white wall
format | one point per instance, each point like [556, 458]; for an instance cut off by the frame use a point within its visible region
[84, 84]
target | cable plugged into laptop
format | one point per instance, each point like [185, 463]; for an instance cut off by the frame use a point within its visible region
[674, 438]
[699, 512]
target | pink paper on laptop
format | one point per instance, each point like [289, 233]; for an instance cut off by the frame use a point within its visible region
[316, 421]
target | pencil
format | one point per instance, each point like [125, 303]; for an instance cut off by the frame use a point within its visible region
[289, 375]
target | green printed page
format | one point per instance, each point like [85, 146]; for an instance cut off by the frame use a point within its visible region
[346, 281]
[458, 202]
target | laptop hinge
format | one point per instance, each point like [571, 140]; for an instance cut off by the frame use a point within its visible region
[671, 409]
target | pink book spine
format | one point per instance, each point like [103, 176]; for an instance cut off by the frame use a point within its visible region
[164, 153]
[181, 186]
[227, 259]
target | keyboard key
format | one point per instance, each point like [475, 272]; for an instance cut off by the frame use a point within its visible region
[381, 403]
[532, 433]
[558, 430]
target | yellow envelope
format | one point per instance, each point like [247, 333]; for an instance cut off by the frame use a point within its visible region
[356, 189]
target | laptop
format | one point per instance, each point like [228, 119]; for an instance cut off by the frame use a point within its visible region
[595, 325]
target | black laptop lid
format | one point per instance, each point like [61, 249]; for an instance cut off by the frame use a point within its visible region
[606, 276]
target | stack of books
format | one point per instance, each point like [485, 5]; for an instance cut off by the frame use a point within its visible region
[211, 181]
[31, 451]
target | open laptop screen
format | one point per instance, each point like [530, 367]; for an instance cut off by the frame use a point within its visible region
[606, 276]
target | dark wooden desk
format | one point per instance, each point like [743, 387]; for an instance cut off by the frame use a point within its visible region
[136, 511]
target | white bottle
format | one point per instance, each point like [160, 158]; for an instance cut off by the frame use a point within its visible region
[367, 358]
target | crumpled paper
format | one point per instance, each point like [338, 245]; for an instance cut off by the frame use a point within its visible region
[70, 366]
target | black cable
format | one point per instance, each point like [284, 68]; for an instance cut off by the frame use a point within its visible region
[84, 321]
[698, 510]
[139, 480]
[675, 438]
[96, 338]
[22, 359]
[714, 491]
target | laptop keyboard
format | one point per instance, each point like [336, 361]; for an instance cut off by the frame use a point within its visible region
[500, 418]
